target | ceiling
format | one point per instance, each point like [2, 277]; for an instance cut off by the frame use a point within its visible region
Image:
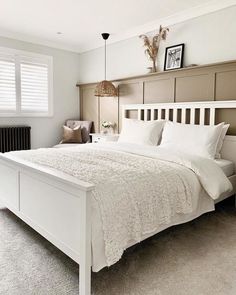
[81, 21]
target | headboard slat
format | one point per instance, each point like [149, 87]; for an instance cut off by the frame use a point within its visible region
[175, 115]
[202, 116]
[192, 116]
[152, 114]
[139, 114]
[212, 116]
[145, 115]
[183, 115]
[167, 114]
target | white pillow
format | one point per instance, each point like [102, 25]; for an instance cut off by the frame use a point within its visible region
[221, 140]
[141, 132]
[196, 139]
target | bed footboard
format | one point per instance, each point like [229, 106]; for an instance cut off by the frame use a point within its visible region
[55, 205]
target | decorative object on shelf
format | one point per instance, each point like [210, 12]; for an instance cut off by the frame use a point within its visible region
[105, 88]
[174, 57]
[107, 127]
[152, 46]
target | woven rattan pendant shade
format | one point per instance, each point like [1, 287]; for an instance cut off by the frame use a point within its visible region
[105, 88]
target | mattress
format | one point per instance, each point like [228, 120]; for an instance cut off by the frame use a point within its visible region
[67, 145]
[227, 166]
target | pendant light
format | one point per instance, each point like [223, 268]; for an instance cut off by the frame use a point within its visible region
[105, 88]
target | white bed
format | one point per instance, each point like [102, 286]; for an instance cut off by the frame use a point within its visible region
[114, 202]
[61, 207]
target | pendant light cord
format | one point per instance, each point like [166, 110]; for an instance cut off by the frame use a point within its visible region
[105, 59]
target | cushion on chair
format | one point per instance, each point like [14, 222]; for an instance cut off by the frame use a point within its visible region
[85, 128]
[72, 135]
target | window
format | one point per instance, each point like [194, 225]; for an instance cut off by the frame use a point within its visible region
[25, 83]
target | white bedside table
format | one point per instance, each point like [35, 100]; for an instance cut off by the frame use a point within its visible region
[100, 137]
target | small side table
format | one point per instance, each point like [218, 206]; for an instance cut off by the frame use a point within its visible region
[100, 137]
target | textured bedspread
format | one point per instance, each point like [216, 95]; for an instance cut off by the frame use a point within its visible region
[136, 189]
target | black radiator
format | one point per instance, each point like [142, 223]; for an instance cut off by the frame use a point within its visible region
[14, 138]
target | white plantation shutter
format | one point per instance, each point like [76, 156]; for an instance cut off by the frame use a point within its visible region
[7, 85]
[25, 83]
[34, 88]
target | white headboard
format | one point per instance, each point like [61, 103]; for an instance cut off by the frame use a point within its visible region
[192, 110]
[164, 110]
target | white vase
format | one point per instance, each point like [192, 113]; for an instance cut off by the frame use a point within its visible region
[104, 131]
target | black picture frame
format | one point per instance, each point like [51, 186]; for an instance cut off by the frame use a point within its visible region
[173, 65]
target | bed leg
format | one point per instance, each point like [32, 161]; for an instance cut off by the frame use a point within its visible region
[85, 245]
[85, 279]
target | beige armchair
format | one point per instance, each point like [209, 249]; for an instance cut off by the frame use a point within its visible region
[85, 130]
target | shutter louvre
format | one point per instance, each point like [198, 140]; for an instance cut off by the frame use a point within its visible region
[34, 87]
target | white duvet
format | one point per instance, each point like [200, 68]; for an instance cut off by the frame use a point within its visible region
[138, 189]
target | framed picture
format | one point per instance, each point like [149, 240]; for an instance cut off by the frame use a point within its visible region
[174, 57]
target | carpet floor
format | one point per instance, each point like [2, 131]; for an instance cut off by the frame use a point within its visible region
[197, 258]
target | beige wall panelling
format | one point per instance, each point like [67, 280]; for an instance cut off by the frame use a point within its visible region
[225, 85]
[225, 89]
[159, 90]
[227, 116]
[207, 82]
[194, 87]
[109, 110]
[130, 92]
[90, 107]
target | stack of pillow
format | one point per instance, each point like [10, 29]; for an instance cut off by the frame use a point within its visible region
[201, 140]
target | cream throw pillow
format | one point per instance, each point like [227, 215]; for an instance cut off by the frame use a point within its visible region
[141, 132]
[72, 135]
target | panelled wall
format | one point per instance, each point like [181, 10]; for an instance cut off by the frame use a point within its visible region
[201, 83]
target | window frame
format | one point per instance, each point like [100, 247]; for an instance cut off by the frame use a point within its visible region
[34, 58]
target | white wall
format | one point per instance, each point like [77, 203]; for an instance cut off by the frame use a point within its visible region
[208, 39]
[46, 132]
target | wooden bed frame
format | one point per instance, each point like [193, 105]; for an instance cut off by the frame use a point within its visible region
[58, 206]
